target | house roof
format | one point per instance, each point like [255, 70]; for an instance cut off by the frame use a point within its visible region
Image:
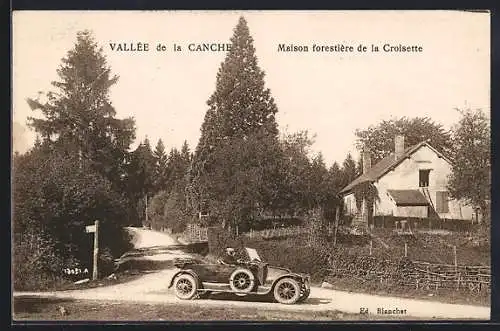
[387, 164]
[408, 197]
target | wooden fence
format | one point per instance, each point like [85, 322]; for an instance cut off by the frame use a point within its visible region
[278, 232]
[436, 276]
[195, 233]
[416, 223]
[416, 274]
[289, 231]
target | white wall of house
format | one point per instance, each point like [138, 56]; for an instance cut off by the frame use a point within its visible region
[350, 204]
[405, 176]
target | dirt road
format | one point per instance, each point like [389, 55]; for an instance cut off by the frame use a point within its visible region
[153, 288]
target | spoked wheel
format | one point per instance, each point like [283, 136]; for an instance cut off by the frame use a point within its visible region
[287, 291]
[242, 281]
[185, 287]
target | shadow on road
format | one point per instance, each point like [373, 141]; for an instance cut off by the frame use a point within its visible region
[260, 298]
[146, 258]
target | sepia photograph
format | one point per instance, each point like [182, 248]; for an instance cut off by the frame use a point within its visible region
[251, 166]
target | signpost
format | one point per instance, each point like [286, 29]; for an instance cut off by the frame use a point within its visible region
[94, 229]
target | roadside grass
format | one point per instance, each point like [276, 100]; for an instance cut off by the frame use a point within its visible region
[350, 284]
[49, 309]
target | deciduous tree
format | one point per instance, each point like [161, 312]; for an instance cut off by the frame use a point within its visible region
[379, 139]
[471, 176]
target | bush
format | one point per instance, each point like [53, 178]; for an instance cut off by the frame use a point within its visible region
[175, 212]
[56, 193]
[36, 266]
[293, 255]
[219, 239]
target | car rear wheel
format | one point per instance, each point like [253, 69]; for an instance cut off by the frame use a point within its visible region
[287, 291]
[185, 287]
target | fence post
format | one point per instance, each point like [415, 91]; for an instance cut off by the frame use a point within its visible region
[371, 247]
[455, 257]
[406, 249]
[336, 226]
[96, 251]
[428, 277]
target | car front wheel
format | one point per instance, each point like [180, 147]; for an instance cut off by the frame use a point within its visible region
[287, 291]
[185, 287]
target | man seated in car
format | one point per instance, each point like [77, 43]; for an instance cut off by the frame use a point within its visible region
[230, 257]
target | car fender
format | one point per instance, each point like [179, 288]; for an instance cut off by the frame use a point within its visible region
[181, 272]
[295, 276]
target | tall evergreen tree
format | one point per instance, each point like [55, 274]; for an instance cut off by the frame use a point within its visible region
[142, 170]
[318, 185]
[240, 104]
[80, 118]
[185, 152]
[178, 166]
[161, 164]
[348, 170]
[241, 111]
[335, 173]
[174, 167]
[148, 162]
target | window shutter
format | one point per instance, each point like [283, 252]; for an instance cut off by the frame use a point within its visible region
[442, 202]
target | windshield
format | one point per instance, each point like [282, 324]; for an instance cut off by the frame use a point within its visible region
[252, 254]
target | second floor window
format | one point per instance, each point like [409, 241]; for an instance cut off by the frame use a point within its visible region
[423, 178]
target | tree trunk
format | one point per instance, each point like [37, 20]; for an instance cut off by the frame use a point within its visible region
[336, 225]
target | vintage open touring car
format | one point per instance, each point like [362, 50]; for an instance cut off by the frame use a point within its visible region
[197, 279]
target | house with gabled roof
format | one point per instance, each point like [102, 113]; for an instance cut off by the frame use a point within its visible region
[410, 182]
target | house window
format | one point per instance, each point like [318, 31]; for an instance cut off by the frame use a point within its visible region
[442, 202]
[423, 178]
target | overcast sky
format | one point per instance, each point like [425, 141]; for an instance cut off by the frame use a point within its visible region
[329, 94]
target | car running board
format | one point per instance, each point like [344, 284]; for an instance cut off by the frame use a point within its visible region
[219, 287]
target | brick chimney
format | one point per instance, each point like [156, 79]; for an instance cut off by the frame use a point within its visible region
[367, 161]
[399, 146]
